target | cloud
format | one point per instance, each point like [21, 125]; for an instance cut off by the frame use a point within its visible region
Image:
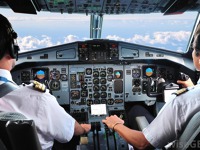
[71, 38]
[158, 39]
[28, 43]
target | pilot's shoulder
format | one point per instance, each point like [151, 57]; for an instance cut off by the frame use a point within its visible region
[35, 85]
[38, 86]
[181, 91]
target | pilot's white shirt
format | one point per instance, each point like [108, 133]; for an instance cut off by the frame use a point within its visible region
[173, 117]
[51, 120]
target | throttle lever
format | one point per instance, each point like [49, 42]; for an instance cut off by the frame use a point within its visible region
[149, 84]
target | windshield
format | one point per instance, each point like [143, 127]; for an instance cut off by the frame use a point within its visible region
[170, 32]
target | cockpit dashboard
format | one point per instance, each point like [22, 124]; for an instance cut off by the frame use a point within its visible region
[108, 74]
[113, 73]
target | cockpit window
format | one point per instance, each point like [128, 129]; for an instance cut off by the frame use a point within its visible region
[169, 32]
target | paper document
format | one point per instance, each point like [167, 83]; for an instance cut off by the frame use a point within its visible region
[98, 109]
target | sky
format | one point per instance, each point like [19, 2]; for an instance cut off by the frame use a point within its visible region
[49, 29]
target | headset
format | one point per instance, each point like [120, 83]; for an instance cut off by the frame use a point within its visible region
[9, 42]
[13, 48]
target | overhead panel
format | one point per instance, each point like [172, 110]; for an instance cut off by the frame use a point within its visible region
[143, 6]
[75, 6]
[91, 6]
[102, 6]
[62, 6]
[116, 7]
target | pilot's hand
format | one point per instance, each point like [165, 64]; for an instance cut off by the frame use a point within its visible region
[186, 83]
[112, 121]
[86, 127]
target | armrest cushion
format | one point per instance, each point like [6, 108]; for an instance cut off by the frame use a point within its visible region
[142, 122]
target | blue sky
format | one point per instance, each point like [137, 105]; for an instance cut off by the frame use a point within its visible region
[48, 29]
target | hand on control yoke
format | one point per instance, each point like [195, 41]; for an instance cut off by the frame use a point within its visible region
[184, 80]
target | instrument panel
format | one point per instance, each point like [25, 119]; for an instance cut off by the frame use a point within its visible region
[86, 73]
[83, 85]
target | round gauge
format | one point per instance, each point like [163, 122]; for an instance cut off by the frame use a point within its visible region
[109, 70]
[110, 77]
[103, 81]
[103, 87]
[55, 74]
[96, 88]
[63, 77]
[96, 74]
[103, 101]
[103, 94]
[96, 80]
[136, 82]
[55, 85]
[136, 73]
[102, 74]
[88, 71]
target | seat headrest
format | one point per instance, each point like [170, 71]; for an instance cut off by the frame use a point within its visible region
[5, 116]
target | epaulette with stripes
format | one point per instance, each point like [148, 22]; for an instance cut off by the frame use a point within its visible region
[39, 86]
[181, 91]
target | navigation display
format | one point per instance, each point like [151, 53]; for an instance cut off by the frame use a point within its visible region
[149, 71]
[40, 74]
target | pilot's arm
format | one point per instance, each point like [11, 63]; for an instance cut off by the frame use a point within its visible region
[81, 128]
[56, 122]
[133, 137]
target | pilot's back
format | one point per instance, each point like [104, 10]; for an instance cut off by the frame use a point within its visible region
[41, 107]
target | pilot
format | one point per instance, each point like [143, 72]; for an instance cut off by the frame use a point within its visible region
[171, 120]
[51, 120]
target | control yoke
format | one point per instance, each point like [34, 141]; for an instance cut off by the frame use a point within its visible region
[182, 76]
[160, 87]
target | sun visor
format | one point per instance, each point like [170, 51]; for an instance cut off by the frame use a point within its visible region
[22, 6]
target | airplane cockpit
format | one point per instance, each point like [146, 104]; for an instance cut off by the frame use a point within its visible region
[95, 77]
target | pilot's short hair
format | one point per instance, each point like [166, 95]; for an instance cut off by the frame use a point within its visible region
[196, 44]
[7, 37]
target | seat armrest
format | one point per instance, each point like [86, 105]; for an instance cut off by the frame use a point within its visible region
[141, 122]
